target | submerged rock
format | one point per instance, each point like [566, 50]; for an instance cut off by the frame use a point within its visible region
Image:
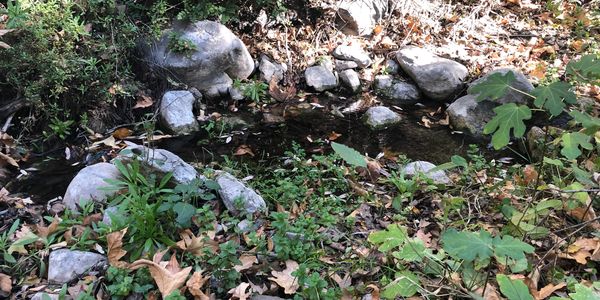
[87, 185]
[320, 78]
[65, 265]
[237, 197]
[353, 53]
[438, 78]
[177, 112]
[424, 167]
[400, 92]
[350, 80]
[379, 117]
[215, 57]
[360, 17]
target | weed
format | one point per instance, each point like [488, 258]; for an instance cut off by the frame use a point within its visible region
[179, 44]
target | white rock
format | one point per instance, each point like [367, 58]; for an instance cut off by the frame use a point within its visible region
[349, 78]
[320, 78]
[360, 17]
[86, 185]
[379, 117]
[65, 265]
[353, 53]
[237, 197]
[270, 69]
[177, 112]
[416, 167]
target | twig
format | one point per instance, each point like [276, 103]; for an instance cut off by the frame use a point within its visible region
[7, 123]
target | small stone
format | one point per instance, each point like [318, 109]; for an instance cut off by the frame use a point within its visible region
[353, 53]
[341, 65]
[65, 265]
[400, 92]
[392, 67]
[86, 185]
[244, 226]
[236, 94]
[383, 82]
[270, 118]
[320, 78]
[177, 112]
[349, 78]
[416, 167]
[379, 117]
[237, 197]
[270, 69]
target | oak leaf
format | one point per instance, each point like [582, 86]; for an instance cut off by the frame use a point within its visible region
[195, 283]
[196, 244]
[239, 291]
[168, 276]
[247, 261]
[285, 279]
[115, 248]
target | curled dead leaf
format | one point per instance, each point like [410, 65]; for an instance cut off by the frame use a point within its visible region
[195, 283]
[247, 261]
[239, 292]
[243, 150]
[285, 279]
[115, 248]
[168, 276]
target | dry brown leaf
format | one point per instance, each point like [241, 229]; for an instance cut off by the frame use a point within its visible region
[5, 31]
[285, 279]
[115, 248]
[239, 291]
[122, 133]
[530, 175]
[546, 291]
[375, 292]
[109, 141]
[243, 150]
[195, 283]
[143, 100]
[5, 285]
[7, 159]
[281, 94]
[168, 276]
[43, 231]
[491, 293]
[196, 244]
[333, 136]
[247, 261]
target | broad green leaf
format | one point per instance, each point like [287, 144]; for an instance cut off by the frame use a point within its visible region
[548, 204]
[571, 141]
[493, 87]
[513, 289]
[554, 162]
[467, 245]
[508, 246]
[406, 284]
[586, 68]
[459, 161]
[582, 175]
[583, 292]
[185, 212]
[349, 155]
[552, 96]
[508, 117]
[591, 124]
[412, 251]
[390, 238]
[19, 245]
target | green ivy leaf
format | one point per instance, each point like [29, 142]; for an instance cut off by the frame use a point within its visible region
[508, 246]
[390, 238]
[508, 116]
[468, 245]
[513, 289]
[586, 68]
[493, 87]
[349, 155]
[406, 284]
[551, 96]
[571, 141]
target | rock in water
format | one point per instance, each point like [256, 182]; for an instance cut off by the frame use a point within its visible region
[438, 78]
[237, 197]
[399, 92]
[424, 167]
[352, 53]
[470, 116]
[349, 78]
[65, 265]
[177, 112]
[217, 57]
[379, 117]
[86, 185]
[360, 17]
[320, 78]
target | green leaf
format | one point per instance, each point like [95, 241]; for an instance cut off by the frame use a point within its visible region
[551, 96]
[412, 251]
[493, 87]
[390, 238]
[555, 162]
[583, 292]
[406, 284]
[508, 117]
[467, 245]
[586, 68]
[508, 246]
[349, 155]
[571, 141]
[185, 212]
[513, 289]
[591, 124]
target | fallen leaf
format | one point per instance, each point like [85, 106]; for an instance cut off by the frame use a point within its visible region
[546, 291]
[109, 141]
[247, 261]
[195, 283]
[122, 133]
[168, 276]
[530, 175]
[196, 244]
[115, 248]
[243, 150]
[239, 291]
[7, 159]
[143, 100]
[285, 279]
[281, 94]
[43, 231]
[333, 136]
[5, 285]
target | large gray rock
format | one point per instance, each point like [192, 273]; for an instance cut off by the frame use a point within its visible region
[65, 265]
[350, 80]
[320, 78]
[359, 17]
[87, 185]
[237, 197]
[424, 167]
[353, 53]
[270, 69]
[399, 92]
[161, 162]
[438, 78]
[379, 117]
[468, 115]
[217, 57]
[177, 112]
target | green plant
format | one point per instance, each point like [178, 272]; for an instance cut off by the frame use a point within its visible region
[122, 283]
[254, 90]
[349, 155]
[179, 44]
[5, 243]
[61, 129]
[223, 264]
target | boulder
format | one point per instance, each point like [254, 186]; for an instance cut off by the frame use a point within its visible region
[350, 80]
[87, 185]
[360, 17]
[399, 92]
[237, 197]
[177, 112]
[438, 78]
[65, 265]
[353, 53]
[161, 162]
[217, 56]
[416, 167]
[270, 69]
[320, 78]
[468, 115]
[341, 65]
[379, 117]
